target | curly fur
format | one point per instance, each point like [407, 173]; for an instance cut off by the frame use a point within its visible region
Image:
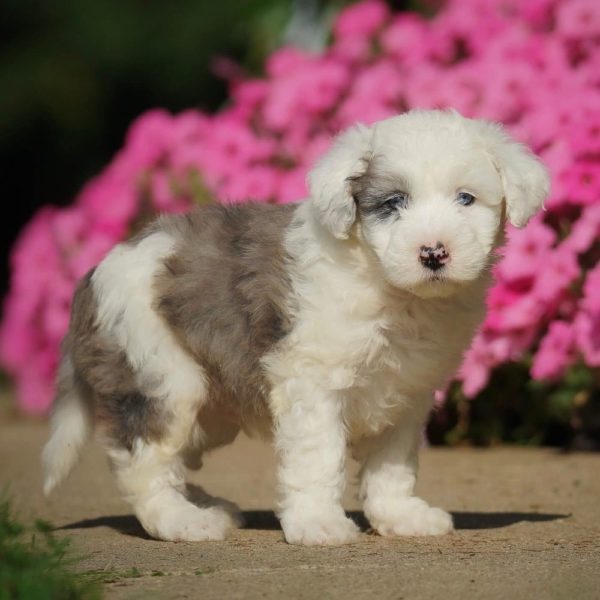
[316, 324]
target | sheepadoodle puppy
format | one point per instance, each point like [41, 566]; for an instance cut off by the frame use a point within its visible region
[325, 325]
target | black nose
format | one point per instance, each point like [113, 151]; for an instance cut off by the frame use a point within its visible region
[434, 258]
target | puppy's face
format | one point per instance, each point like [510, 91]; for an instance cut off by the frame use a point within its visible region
[428, 195]
[430, 206]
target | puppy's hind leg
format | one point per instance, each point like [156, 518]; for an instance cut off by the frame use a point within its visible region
[152, 480]
[149, 467]
[213, 432]
[149, 389]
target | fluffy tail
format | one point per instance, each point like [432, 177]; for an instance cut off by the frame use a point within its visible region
[71, 424]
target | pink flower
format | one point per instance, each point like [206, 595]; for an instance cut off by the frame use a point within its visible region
[522, 314]
[97, 245]
[284, 60]
[292, 186]
[591, 291]
[587, 327]
[526, 252]
[308, 89]
[16, 343]
[110, 202]
[361, 105]
[538, 12]
[533, 65]
[555, 275]
[352, 50]
[360, 20]
[148, 139]
[165, 197]
[35, 387]
[583, 182]
[578, 19]
[556, 352]
[585, 230]
[476, 367]
[249, 95]
[407, 39]
[259, 183]
[584, 137]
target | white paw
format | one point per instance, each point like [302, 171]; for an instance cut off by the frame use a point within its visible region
[201, 499]
[327, 528]
[181, 521]
[408, 516]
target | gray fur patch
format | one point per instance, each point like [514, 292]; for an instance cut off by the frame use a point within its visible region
[101, 371]
[224, 294]
[371, 189]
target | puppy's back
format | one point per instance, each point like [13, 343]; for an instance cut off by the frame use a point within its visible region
[224, 291]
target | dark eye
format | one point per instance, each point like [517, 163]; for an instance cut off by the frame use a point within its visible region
[397, 200]
[465, 198]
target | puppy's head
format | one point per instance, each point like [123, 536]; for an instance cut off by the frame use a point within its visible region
[428, 192]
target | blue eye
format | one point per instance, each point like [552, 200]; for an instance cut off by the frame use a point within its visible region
[397, 200]
[465, 198]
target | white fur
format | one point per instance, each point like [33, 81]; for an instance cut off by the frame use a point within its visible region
[152, 479]
[374, 331]
[71, 424]
[328, 183]
[388, 478]
[361, 358]
[311, 443]
[524, 178]
[123, 285]
[375, 334]
[151, 476]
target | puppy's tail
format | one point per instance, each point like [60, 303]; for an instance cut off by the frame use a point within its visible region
[71, 424]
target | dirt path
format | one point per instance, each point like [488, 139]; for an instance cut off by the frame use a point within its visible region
[528, 527]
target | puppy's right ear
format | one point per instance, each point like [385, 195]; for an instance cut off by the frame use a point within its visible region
[329, 181]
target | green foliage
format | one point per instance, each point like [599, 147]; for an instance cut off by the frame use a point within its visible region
[513, 408]
[36, 565]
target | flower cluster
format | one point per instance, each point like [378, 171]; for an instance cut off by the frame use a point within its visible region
[533, 65]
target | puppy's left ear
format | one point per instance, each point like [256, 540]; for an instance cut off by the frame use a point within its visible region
[526, 180]
[329, 181]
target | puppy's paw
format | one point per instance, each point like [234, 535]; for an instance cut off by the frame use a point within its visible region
[408, 516]
[327, 528]
[185, 522]
[201, 499]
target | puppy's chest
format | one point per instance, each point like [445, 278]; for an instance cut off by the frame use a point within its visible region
[404, 361]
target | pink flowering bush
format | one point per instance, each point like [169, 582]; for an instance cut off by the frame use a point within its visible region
[534, 66]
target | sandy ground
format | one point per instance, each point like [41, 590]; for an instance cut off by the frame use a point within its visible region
[528, 527]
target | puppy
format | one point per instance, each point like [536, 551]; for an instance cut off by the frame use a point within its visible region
[324, 324]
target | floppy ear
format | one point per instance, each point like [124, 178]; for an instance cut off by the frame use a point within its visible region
[329, 180]
[526, 180]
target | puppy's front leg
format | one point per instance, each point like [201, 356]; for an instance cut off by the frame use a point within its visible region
[388, 477]
[311, 444]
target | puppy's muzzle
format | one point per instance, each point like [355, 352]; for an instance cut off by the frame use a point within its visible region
[434, 258]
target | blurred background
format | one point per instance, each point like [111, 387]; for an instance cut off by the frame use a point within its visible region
[74, 75]
[251, 93]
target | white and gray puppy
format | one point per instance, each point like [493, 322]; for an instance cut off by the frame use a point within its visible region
[324, 324]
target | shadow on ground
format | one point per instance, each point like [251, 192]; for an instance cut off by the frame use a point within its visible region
[126, 524]
[266, 520]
